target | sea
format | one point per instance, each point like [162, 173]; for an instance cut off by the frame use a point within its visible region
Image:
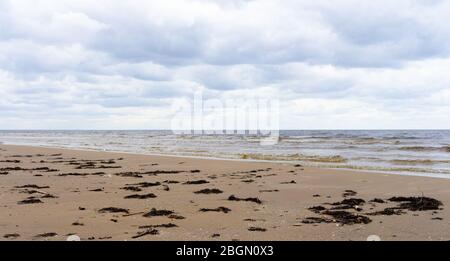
[409, 152]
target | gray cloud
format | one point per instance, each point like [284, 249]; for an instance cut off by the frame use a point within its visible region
[75, 59]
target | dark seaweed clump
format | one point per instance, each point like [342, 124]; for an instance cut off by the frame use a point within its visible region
[417, 203]
[257, 229]
[219, 209]
[234, 198]
[196, 182]
[349, 203]
[137, 196]
[158, 212]
[209, 191]
[349, 193]
[113, 210]
[146, 232]
[30, 200]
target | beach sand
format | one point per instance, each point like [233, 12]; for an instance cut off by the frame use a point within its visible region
[49, 194]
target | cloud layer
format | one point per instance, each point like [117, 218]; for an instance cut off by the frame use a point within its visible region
[121, 64]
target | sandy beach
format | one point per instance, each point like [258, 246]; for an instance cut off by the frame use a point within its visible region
[50, 194]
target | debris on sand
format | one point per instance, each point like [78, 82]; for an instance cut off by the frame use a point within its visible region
[219, 209]
[146, 184]
[137, 196]
[146, 232]
[387, 212]
[171, 182]
[168, 225]
[11, 236]
[32, 186]
[31, 200]
[158, 212]
[44, 235]
[114, 210]
[417, 203]
[349, 203]
[377, 200]
[132, 188]
[174, 216]
[129, 174]
[347, 218]
[81, 174]
[156, 172]
[76, 223]
[316, 220]
[92, 165]
[269, 190]
[45, 169]
[10, 161]
[97, 190]
[289, 182]
[215, 235]
[196, 182]
[234, 198]
[349, 193]
[49, 196]
[81, 208]
[209, 191]
[339, 216]
[148, 173]
[13, 169]
[258, 229]
[317, 209]
[195, 171]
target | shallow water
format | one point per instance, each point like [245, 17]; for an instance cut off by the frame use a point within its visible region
[423, 152]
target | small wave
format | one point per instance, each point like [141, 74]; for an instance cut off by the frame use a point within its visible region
[392, 169]
[417, 162]
[425, 148]
[294, 157]
[446, 148]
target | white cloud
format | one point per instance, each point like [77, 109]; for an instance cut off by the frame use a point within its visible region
[381, 64]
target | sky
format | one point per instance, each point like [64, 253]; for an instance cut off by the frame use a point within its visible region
[345, 64]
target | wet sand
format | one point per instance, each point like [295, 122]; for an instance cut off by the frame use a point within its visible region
[50, 194]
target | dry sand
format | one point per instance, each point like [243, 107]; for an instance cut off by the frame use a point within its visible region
[53, 204]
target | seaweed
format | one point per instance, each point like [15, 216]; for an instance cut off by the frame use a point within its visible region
[137, 196]
[8, 236]
[146, 232]
[219, 209]
[114, 210]
[196, 182]
[257, 229]
[158, 212]
[44, 235]
[234, 198]
[209, 191]
[32, 186]
[31, 200]
[347, 218]
[348, 193]
[417, 203]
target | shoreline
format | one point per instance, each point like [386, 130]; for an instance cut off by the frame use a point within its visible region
[355, 169]
[48, 194]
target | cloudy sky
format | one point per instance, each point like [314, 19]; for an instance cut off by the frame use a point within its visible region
[346, 64]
